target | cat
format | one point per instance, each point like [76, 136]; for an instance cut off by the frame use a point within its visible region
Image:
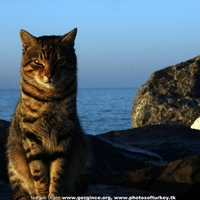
[48, 153]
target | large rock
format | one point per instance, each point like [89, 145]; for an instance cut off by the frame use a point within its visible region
[110, 160]
[170, 96]
[172, 179]
[167, 142]
[179, 145]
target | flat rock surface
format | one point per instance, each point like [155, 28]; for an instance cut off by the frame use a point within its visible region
[167, 141]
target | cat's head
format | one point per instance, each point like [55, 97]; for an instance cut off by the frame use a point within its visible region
[48, 61]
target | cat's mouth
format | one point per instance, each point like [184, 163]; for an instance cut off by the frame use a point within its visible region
[50, 83]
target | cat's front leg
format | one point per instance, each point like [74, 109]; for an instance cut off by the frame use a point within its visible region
[40, 177]
[37, 164]
[57, 173]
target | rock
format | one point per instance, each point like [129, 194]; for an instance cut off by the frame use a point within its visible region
[6, 191]
[4, 125]
[170, 179]
[166, 141]
[109, 159]
[196, 124]
[170, 96]
[111, 191]
[176, 144]
[178, 176]
[191, 194]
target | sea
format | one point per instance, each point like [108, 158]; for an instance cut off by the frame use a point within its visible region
[99, 110]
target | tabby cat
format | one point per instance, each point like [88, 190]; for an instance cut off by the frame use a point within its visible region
[48, 153]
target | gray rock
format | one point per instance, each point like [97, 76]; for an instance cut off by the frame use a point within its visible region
[170, 96]
[6, 191]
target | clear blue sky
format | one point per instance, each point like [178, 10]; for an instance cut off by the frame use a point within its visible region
[120, 43]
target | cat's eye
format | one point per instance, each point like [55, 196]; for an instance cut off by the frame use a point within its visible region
[61, 61]
[37, 62]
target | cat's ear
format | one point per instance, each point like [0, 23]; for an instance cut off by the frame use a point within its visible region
[27, 39]
[69, 38]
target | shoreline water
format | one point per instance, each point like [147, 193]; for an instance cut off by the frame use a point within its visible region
[99, 109]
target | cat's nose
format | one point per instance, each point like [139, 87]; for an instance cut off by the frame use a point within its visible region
[48, 75]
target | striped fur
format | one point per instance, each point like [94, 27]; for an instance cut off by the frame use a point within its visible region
[48, 153]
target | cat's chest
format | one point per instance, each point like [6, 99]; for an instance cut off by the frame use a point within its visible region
[52, 121]
[48, 120]
[48, 124]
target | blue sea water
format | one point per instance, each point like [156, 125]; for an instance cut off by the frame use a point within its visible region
[99, 110]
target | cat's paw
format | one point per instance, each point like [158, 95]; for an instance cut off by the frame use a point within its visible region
[20, 196]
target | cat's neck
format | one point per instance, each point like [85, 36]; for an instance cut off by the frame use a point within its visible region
[48, 95]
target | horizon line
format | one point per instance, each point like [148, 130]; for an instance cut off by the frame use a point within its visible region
[134, 87]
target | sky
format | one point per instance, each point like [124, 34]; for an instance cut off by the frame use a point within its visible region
[119, 43]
